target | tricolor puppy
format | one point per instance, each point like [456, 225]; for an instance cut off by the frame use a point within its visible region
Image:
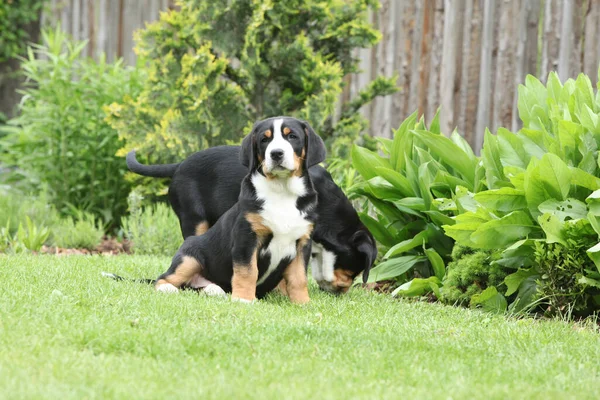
[207, 184]
[265, 237]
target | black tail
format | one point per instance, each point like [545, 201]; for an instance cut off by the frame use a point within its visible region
[156, 171]
[120, 278]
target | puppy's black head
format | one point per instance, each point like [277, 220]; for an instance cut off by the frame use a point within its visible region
[351, 261]
[281, 147]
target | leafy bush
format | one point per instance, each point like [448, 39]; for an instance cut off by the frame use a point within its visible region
[152, 229]
[61, 138]
[82, 231]
[412, 189]
[542, 206]
[16, 208]
[215, 67]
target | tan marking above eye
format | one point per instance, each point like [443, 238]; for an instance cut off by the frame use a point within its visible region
[268, 133]
[287, 131]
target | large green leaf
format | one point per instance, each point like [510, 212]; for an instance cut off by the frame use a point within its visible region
[581, 178]
[379, 231]
[563, 210]
[513, 281]
[511, 149]
[402, 142]
[519, 254]
[594, 254]
[365, 162]
[490, 155]
[504, 199]
[394, 267]
[466, 224]
[489, 300]
[555, 176]
[419, 287]
[437, 263]
[383, 190]
[408, 244]
[553, 228]
[399, 181]
[449, 153]
[535, 191]
[501, 232]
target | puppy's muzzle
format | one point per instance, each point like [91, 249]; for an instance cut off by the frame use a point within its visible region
[277, 156]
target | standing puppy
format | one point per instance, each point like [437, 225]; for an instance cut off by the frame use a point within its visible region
[265, 236]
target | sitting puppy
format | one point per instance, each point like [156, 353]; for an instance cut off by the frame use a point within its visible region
[265, 236]
[207, 184]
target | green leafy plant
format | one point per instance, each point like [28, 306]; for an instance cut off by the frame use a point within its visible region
[217, 66]
[411, 190]
[60, 137]
[542, 205]
[152, 229]
[81, 231]
[31, 236]
[16, 207]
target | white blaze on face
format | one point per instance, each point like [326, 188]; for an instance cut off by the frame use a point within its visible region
[279, 143]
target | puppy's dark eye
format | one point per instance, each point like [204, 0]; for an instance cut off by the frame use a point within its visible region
[264, 139]
[292, 136]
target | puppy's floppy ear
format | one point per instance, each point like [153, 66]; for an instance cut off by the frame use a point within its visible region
[248, 152]
[365, 245]
[315, 148]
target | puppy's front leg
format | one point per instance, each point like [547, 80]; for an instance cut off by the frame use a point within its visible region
[295, 274]
[245, 275]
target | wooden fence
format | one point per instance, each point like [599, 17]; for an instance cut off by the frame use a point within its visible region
[467, 56]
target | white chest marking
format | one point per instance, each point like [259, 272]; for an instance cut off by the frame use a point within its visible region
[281, 216]
[322, 264]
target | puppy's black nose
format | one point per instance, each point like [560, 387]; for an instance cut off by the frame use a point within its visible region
[277, 154]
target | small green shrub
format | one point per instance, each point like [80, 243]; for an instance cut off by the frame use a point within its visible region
[152, 229]
[82, 231]
[60, 137]
[470, 273]
[16, 208]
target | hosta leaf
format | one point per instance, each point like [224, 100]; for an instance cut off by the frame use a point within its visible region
[365, 162]
[379, 231]
[402, 142]
[435, 123]
[553, 228]
[594, 254]
[466, 224]
[408, 244]
[419, 287]
[463, 144]
[438, 218]
[501, 232]
[555, 176]
[437, 263]
[511, 149]
[383, 190]
[520, 254]
[490, 155]
[490, 300]
[449, 153]
[513, 281]
[399, 181]
[394, 267]
[563, 210]
[504, 199]
[581, 178]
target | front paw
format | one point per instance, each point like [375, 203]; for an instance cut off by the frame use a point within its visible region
[166, 288]
[244, 301]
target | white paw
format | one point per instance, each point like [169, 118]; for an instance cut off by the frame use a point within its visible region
[166, 288]
[214, 290]
[244, 301]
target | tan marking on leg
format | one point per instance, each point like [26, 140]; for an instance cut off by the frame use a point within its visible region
[201, 228]
[184, 272]
[243, 282]
[295, 280]
[287, 131]
[342, 280]
[257, 225]
[268, 133]
[282, 288]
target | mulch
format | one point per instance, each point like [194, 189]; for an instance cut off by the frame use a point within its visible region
[109, 247]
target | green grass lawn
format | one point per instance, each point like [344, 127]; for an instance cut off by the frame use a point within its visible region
[66, 332]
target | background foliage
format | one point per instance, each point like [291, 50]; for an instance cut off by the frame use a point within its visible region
[60, 137]
[14, 14]
[215, 67]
